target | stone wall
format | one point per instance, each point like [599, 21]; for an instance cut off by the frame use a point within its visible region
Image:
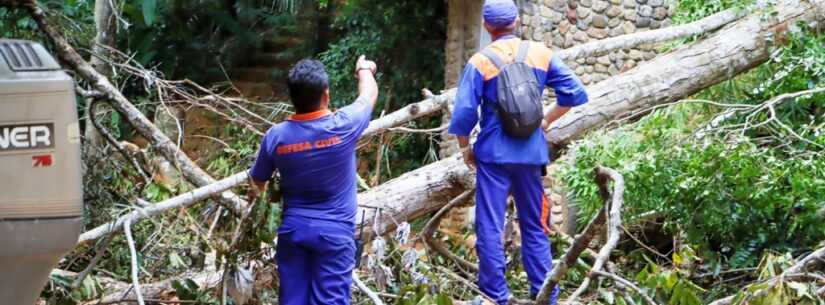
[565, 23]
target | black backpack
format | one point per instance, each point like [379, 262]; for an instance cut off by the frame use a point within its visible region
[519, 94]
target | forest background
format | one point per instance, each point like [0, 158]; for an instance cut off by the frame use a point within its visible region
[710, 207]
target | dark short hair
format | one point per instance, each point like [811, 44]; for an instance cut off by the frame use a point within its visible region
[307, 82]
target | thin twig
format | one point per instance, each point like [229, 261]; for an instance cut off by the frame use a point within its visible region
[627, 284]
[464, 281]
[366, 290]
[112, 141]
[643, 245]
[432, 225]
[410, 130]
[100, 249]
[127, 229]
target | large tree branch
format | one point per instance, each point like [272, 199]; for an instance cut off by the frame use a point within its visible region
[627, 41]
[179, 201]
[737, 48]
[435, 103]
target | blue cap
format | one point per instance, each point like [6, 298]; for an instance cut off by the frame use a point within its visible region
[499, 13]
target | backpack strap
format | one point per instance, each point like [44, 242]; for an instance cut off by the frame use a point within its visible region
[522, 51]
[493, 57]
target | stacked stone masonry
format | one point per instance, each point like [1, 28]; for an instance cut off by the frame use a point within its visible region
[561, 24]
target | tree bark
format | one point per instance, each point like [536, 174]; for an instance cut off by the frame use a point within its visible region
[683, 72]
[698, 27]
[106, 27]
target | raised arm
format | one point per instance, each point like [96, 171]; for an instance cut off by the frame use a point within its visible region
[367, 87]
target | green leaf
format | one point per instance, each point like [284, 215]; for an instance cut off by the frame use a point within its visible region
[175, 260]
[443, 299]
[149, 11]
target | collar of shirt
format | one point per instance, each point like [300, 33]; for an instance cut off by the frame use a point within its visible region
[506, 36]
[310, 116]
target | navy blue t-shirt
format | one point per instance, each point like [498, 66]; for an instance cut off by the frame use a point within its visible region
[315, 156]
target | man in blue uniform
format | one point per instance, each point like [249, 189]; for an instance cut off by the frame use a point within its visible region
[506, 164]
[314, 152]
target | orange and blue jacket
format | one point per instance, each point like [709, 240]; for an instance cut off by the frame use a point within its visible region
[477, 88]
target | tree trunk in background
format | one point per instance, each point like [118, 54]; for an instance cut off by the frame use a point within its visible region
[668, 78]
[106, 27]
[464, 38]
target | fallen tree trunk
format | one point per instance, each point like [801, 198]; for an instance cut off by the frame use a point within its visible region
[681, 73]
[435, 103]
[699, 27]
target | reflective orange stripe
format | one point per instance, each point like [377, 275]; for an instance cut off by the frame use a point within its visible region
[545, 213]
[538, 57]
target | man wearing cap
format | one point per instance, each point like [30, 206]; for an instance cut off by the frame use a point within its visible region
[314, 152]
[505, 164]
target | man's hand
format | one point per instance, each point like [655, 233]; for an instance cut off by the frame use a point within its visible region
[469, 157]
[467, 151]
[365, 73]
[366, 65]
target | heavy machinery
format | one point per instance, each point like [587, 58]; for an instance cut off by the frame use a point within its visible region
[41, 197]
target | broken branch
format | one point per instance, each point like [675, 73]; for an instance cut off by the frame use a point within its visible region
[615, 200]
[602, 177]
[179, 201]
[627, 41]
[432, 225]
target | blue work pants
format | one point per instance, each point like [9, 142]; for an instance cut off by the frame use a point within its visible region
[315, 261]
[495, 182]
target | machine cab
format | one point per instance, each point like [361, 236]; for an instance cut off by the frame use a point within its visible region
[41, 196]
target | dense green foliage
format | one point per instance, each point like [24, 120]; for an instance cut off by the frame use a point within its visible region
[200, 40]
[735, 190]
[406, 39]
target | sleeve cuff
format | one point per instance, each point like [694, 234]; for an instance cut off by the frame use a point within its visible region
[572, 100]
[457, 131]
[256, 176]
